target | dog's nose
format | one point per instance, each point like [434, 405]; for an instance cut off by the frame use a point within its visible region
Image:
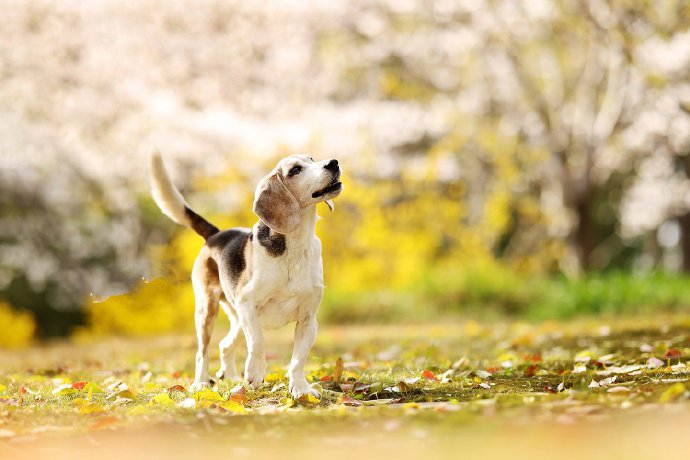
[332, 165]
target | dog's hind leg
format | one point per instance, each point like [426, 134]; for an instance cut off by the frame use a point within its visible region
[207, 294]
[228, 367]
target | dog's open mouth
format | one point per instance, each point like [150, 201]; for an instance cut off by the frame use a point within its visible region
[332, 187]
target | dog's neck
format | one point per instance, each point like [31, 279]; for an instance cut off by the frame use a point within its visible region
[307, 227]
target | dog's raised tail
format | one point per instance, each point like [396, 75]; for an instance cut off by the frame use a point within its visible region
[171, 202]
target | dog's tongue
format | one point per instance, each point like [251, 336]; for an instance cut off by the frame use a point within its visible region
[330, 205]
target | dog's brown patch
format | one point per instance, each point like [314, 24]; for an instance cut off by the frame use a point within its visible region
[273, 242]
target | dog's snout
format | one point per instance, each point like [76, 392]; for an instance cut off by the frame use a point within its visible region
[332, 165]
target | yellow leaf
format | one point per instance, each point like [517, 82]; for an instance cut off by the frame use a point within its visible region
[163, 399]
[272, 378]
[3, 388]
[150, 387]
[128, 394]
[672, 392]
[411, 405]
[92, 388]
[64, 390]
[308, 400]
[233, 406]
[206, 394]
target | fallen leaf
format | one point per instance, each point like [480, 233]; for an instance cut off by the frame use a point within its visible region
[338, 371]
[175, 388]
[92, 388]
[163, 399]
[206, 394]
[427, 374]
[308, 400]
[349, 401]
[672, 392]
[360, 387]
[233, 406]
[64, 390]
[531, 370]
[672, 353]
[654, 363]
[272, 378]
[78, 385]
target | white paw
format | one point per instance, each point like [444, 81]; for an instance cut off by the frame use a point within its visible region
[300, 387]
[196, 386]
[255, 371]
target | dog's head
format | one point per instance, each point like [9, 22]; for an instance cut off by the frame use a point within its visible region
[295, 183]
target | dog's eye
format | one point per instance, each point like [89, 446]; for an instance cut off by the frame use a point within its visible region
[294, 171]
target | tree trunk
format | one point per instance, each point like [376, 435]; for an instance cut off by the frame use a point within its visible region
[684, 222]
[584, 232]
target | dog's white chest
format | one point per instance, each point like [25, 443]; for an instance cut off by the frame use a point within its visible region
[295, 284]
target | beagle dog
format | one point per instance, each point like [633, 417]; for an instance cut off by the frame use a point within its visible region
[263, 277]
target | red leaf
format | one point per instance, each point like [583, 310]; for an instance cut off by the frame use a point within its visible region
[531, 370]
[348, 401]
[672, 353]
[176, 375]
[427, 374]
[493, 369]
[534, 358]
[550, 389]
[23, 390]
[347, 387]
[176, 388]
[78, 385]
[239, 398]
[241, 391]
[326, 378]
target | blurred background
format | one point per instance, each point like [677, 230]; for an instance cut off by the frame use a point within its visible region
[529, 159]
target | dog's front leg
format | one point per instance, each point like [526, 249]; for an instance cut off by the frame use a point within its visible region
[305, 334]
[255, 367]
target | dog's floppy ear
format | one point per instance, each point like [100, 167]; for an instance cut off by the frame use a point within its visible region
[275, 205]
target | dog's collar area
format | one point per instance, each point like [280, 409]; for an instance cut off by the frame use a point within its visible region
[328, 189]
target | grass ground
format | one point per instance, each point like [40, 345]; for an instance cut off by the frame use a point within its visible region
[589, 387]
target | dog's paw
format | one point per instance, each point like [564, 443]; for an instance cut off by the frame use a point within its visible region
[254, 372]
[196, 386]
[300, 387]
